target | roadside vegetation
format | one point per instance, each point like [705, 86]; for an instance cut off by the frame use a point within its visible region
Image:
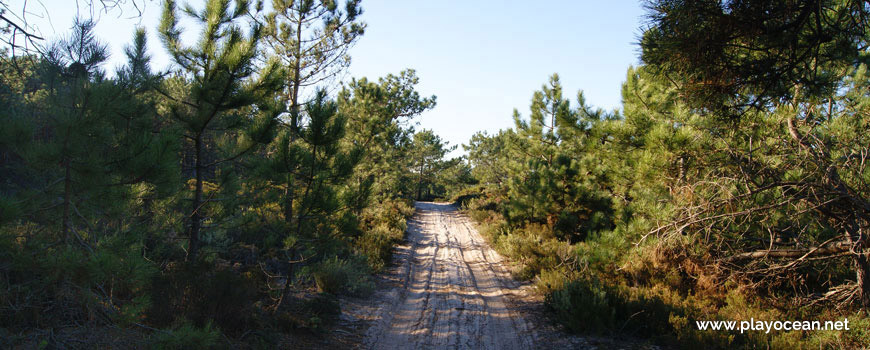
[732, 184]
[222, 203]
[226, 201]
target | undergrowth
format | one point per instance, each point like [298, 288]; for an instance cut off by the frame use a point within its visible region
[607, 285]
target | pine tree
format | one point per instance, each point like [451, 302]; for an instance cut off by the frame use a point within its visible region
[77, 126]
[555, 182]
[773, 73]
[378, 117]
[212, 97]
[488, 156]
[94, 136]
[311, 38]
[427, 153]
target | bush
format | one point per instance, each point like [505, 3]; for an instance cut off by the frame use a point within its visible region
[186, 336]
[203, 294]
[384, 226]
[44, 285]
[335, 276]
[583, 306]
[463, 199]
[311, 312]
[377, 245]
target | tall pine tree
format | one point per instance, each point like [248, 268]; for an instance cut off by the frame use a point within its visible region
[212, 97]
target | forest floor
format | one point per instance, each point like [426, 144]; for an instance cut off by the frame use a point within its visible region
[446, 289]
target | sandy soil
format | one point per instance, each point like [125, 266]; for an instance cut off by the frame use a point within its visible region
[454, 291]
[448, 289]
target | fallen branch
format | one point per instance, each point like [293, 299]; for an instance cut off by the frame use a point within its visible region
[836, 248]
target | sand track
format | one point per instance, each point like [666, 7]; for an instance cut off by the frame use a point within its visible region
[453, 293]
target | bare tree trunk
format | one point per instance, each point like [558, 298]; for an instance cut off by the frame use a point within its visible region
[862, 269]
[67, 199]
[858, 242]
[195, 217]
[288, 200]
[307, 190]
[420, 182]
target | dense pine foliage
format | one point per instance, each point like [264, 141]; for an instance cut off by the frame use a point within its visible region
[732, 184]
[228, 200]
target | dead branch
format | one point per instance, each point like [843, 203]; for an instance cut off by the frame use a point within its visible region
[822, 250]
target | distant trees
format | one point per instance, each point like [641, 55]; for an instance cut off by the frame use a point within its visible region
[488, 156]
[427, 153]
[378, 116]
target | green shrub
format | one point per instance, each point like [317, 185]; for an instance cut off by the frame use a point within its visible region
[62, 284]
[186, 336]
[311, 312]
[203, 294]
[463, 198]
[384, 227]
[377, 245]
[857, 337]
[583, 306]
[335, 276]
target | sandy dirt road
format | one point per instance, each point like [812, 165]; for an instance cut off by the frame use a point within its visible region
[453, 292]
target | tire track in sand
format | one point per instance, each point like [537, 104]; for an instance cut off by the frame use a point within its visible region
[454, 293]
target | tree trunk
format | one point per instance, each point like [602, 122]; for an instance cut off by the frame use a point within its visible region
[307, 190]
[854, 231]
[297, 79]
[288, 200]
[195, 217]
[67, 200]
[858, 241]
[420, 182]
[862, 268]
[285, 291]
[294, 123]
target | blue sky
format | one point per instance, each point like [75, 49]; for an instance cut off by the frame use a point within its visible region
[481, 58]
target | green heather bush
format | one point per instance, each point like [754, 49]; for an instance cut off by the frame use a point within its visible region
[583, 306]
[384, 226]
[186, 336]
[856, 337]
[340, 276]
[377, 244]
[310, 312]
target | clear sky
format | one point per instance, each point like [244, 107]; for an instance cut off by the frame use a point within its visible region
[481, 58]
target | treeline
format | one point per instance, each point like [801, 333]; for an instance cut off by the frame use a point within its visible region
[206, 205]
[732, 185]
